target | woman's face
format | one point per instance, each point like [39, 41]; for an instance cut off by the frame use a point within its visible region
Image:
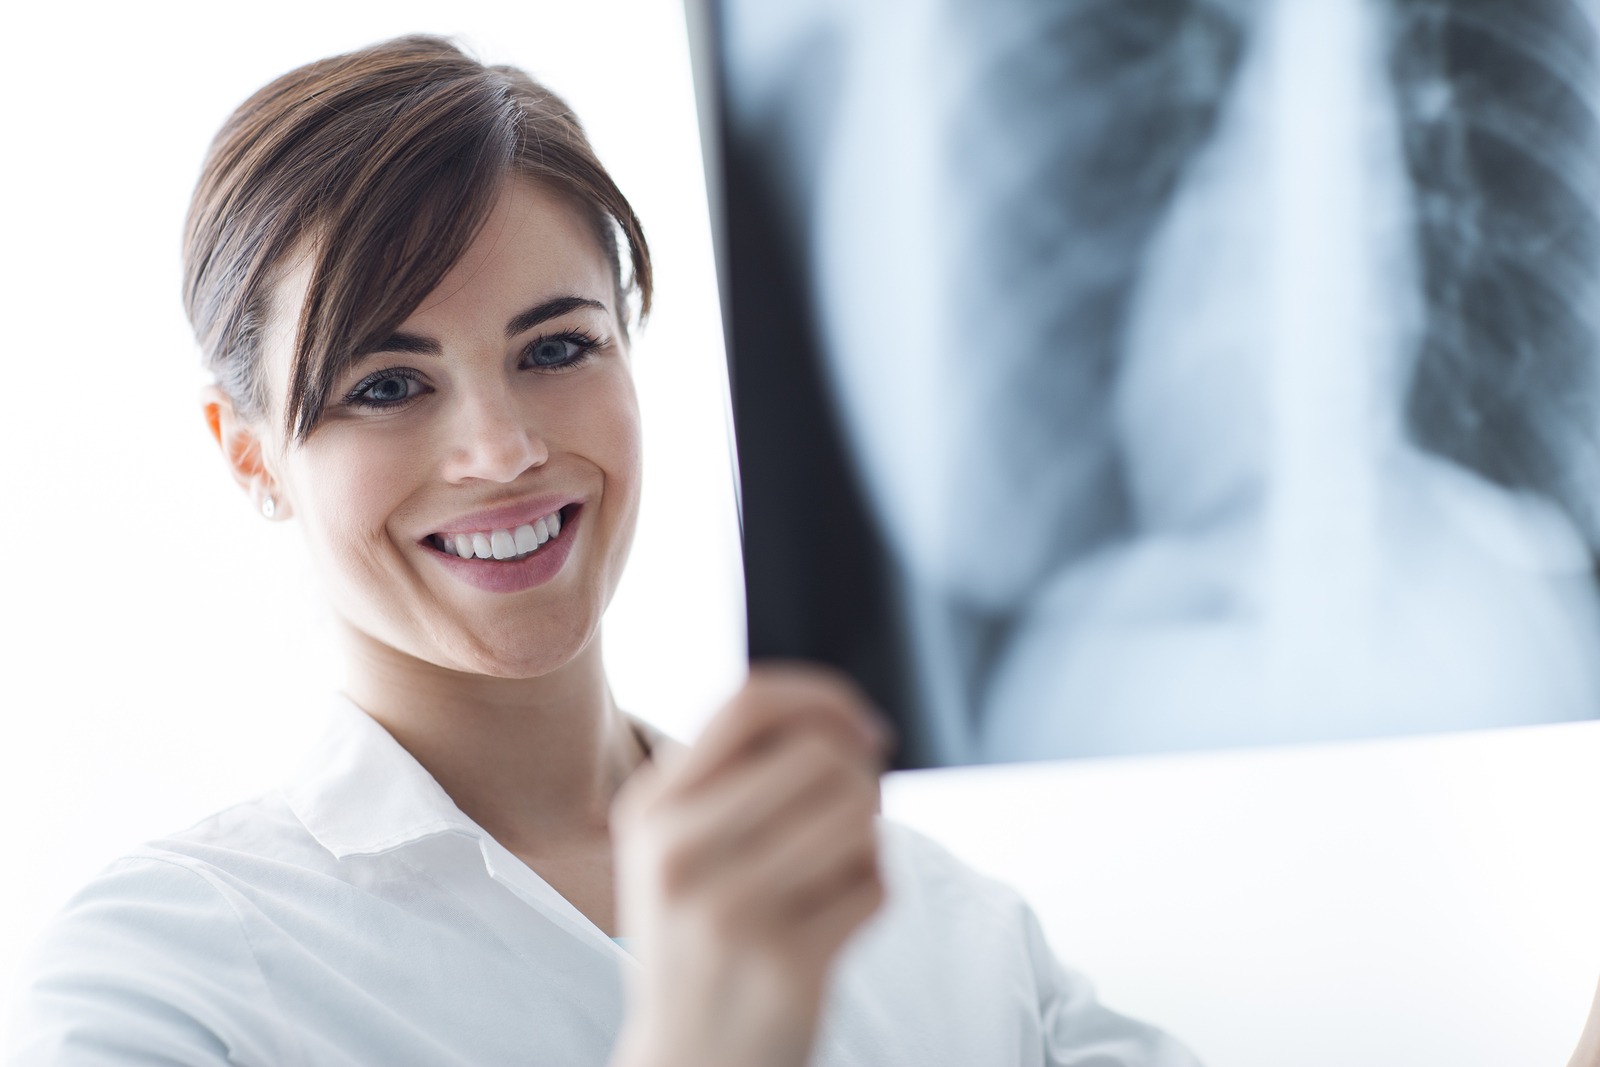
[502, 409]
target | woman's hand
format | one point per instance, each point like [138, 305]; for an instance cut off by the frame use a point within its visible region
[742, 869]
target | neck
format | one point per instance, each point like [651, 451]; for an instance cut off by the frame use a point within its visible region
[534, 761]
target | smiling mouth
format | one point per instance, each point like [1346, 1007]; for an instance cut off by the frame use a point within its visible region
[504, 545]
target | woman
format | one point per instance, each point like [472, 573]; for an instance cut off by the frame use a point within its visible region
[404, 269]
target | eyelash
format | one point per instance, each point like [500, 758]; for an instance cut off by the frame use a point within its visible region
[586, 343]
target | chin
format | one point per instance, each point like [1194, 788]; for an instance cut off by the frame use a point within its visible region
[529, 656]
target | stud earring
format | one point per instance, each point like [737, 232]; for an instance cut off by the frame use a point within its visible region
[269, 506]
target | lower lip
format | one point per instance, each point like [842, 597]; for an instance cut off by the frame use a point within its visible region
[513, 576]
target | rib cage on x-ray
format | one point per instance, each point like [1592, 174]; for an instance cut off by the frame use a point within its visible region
[1503, 150]
[1210, 373]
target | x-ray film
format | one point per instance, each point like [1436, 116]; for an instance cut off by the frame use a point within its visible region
[1129, 376]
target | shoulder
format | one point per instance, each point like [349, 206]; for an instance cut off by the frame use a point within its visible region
[240, 844]
[949, 935]
[189, 875]
[926, 879]
[196, 885]
[154, 955]
[946, 914]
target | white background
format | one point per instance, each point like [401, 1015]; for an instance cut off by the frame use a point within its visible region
[1404, 903]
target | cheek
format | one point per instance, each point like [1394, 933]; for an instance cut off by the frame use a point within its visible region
[345, 495]
[624, 433]
[611, 432]
[627, 439]
[596, 417]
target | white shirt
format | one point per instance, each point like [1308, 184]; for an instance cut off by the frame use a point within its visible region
[357, 916]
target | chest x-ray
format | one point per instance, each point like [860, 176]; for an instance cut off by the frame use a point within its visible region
[1121, 376]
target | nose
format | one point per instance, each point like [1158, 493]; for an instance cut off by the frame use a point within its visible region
[493, 439]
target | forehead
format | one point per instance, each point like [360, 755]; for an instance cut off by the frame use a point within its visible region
[537, 243]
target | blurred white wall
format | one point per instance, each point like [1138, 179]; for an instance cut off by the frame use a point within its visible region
[1404, 903]
[1426, 902]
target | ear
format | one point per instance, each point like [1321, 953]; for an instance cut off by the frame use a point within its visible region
[243, 449]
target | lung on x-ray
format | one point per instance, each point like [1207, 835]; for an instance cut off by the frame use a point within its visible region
[1129, 376]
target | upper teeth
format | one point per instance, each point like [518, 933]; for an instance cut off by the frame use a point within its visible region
[503, 544]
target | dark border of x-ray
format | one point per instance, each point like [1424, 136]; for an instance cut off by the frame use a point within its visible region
[819, 584]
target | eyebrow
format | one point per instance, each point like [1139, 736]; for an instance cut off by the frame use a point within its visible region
[416, 344]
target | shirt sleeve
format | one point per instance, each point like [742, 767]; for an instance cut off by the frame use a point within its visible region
[1031, 1010]
[1078, 1030]
[149, 964]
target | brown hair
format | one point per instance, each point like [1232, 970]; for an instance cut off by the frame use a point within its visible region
[384, 163]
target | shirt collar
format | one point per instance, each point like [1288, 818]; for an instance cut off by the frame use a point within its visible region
[360, 792]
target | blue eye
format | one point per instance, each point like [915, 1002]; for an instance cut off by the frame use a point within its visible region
[387, 389]
[560, 351]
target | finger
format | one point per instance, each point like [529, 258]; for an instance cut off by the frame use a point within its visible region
[790, 875]
[775, 698]
[822, 932]
[764, 799]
